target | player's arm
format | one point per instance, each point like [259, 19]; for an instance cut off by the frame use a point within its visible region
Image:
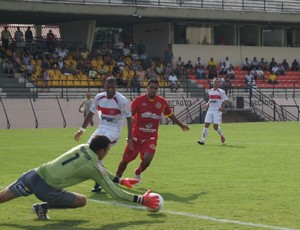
[184, 127]
[80, 107]
[223, 105]
[86, 122]
[114, 191]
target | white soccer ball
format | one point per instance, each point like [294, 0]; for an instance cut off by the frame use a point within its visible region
[161, 203]
[82, 110]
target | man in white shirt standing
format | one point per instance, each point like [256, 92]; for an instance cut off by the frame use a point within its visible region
[173, 82]
[111, 107]
[216, 105]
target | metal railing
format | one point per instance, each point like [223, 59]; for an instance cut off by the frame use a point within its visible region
[288, 6]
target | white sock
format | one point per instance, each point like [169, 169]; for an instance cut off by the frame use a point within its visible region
[204, 134]
[220, 131]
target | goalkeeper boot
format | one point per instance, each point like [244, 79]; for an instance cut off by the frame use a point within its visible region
[97, 188]
[40, 212]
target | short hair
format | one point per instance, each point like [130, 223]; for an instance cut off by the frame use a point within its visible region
[110, 80]
[99, 142]
[152, 80]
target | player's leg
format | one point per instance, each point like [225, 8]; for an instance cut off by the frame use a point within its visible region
[6, 195]
[207, 121]
[128, 156]
[147, 153]
[217, 127]
[113, 137]
[53, 198]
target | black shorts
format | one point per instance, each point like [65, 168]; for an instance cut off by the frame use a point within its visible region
[31, 183]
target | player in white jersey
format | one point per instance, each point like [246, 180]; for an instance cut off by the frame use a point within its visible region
[216, 105]
[112, 107]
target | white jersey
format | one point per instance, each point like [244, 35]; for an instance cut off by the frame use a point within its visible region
[111, 113]
[216, 97]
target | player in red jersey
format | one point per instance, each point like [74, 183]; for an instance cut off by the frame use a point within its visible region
[146, 112]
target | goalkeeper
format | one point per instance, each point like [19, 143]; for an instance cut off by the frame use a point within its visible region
[79, 164]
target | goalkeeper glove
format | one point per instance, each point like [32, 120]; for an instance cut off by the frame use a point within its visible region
[149, 201]
[128, 182]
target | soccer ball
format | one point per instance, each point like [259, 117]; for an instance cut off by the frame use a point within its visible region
[82, 110]
[161, 203]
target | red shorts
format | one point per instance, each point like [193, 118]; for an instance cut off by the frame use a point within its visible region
[141, 146]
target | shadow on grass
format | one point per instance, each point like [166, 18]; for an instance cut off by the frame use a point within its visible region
[121, 225]
[51, 224]
[224, 146]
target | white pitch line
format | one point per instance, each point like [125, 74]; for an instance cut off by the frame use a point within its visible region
[202, 217]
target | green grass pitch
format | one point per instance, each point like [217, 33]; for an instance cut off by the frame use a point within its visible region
[250, 182]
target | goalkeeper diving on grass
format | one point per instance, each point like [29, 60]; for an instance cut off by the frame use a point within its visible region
[81, 163]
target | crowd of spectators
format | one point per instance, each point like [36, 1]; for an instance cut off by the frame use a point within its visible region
[129, 63]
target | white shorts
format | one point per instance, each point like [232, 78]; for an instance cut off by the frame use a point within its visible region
[214, 117]
[112, 133]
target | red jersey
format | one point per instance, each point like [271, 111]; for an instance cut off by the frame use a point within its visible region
[146, 115]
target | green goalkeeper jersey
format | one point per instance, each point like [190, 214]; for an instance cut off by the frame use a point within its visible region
[77, 165]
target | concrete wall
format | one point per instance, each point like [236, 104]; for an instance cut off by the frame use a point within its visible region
[21, 114]
[78, 31]
[155, 36]
[48, 114]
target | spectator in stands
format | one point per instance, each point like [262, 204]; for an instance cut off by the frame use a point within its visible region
[285, 64]
[263, 64]
[60, 63]
[150, 73]
[227, 64]
[281, 70]
[295, 65]
[249, 78]
[93, 73]
[135, 84]
[26, 57]
[230, 73]
[141, 74]
[107, 59]
[272, 64]
[200, 72]
[159, 69]
[84, 54]
[272, 78]
[260, 75]
[189, 67]
[8, 67]
[28, 38]
[50, 40]
[62, 52]
[227, 86]
[46, 78]
[212, 73]
[198, 62]
[5, 36]
[45, 64]
[179, 61]
[30, 69]
[246, 64]
[19, 38]
[274, 69]
[254, 63]
[126, 51]
[173, 82]
[212, 64]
